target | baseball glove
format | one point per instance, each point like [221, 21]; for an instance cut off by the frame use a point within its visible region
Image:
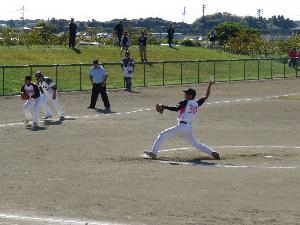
[159, 108]
[24, 96]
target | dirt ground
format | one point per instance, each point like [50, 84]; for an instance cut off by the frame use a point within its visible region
[90, 167]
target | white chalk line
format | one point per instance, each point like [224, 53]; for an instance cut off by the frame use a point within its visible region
[53, 220]
[149, 109]
[215, 165]
[235, 146]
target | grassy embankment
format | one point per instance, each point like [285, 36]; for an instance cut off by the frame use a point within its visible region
[68, 78]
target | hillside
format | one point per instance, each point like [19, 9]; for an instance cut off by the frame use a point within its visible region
[22, 55]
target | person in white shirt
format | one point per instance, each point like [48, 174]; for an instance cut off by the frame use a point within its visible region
[127, 65]
[187, 110]
[49, 93]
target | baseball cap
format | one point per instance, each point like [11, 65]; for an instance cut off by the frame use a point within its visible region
[27, 77]
[191, 92]
[38, 74]
[95, 61]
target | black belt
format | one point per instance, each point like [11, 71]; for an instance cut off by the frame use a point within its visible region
[183, 122]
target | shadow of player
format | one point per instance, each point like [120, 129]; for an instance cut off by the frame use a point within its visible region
[76, 50]
[104, 111]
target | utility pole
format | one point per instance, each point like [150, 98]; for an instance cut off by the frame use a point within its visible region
[259, 13]
[203, 21]
[23, 15]
[183, 14]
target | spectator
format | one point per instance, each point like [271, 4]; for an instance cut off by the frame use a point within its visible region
[72, 33]
[170, 32]
[119, 31]
[127, 65]
[212, 38]
[125, 43]
[142, 46]
[293, 54]
[98, 77]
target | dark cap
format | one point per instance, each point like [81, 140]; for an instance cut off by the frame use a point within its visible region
[95, 61]
[27, 77]
[39, 74]
[190, 92]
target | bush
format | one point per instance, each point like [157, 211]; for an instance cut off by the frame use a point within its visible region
[188, 43]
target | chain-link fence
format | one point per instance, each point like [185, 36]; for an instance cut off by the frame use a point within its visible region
[74, 77]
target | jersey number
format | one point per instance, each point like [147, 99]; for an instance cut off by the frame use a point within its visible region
[193, 109]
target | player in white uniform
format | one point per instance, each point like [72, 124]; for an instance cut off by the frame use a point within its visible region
[33, 102]
[127, 65]
[49, 90]
[187, 110]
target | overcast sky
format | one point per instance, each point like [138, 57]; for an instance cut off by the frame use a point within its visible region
[104, 10]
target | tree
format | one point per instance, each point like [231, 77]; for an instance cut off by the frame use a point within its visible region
[230, 30]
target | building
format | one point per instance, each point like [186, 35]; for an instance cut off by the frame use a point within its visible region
[296, 31]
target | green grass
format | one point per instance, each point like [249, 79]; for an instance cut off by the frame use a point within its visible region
[76, 77]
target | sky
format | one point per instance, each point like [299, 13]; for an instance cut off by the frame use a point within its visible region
[105, 10]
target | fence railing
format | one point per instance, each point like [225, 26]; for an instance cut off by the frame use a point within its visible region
[74, 77]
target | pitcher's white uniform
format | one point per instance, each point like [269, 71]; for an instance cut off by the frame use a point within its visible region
[46, 85]
[187, 110]
[34, 102]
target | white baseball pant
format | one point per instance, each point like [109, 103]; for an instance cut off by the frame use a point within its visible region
[182, 130]
[56, 104]
[35, 105]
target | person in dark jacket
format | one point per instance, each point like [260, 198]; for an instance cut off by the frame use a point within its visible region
[72, 33]
[142, 47]
[119, 32]
[170, 32]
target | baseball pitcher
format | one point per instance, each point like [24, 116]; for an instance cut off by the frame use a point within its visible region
[187, 110]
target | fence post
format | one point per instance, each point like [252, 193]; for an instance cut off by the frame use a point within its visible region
[271, 68]
[244, 69]
[296, 67]
[163, 83]
[284, 68]
[80, 78]
[230, 70]
[198, 71]
[3, 80]
[56, 71]
[144, 74]
[180, 72]
[258, 63]
[214, 69]
[30, 73]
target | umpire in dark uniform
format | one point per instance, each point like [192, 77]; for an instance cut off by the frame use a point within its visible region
[98, 77]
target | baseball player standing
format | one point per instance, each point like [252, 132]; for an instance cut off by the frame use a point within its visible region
[33, 102]
[187, 110]
[50, 93]
[127, 65]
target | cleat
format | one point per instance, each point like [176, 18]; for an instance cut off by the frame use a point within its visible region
[91, 107]
[150, 154]
[46, 117]
[61, 118]
[34, 126]
[216, 155]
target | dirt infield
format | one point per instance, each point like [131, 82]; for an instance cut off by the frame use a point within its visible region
[90, 168]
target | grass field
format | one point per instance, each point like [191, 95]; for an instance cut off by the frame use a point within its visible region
[75, 77]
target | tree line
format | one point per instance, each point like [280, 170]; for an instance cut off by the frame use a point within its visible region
[274, 25]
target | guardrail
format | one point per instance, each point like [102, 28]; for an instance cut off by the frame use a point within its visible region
[74, 77]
